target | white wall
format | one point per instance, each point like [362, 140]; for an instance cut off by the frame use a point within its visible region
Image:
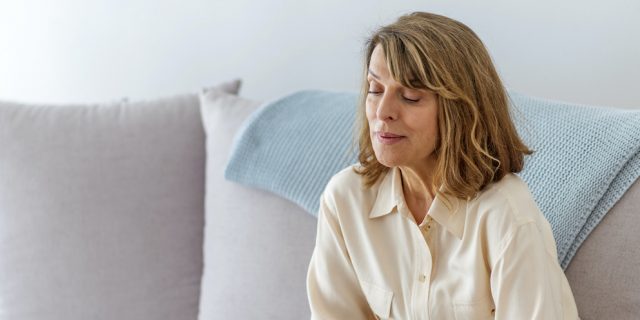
[89, 51]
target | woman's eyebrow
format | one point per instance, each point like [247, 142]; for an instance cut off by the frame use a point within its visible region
[417, 83]
[373, 74]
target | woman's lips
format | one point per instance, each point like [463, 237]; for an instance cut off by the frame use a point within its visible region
[388, 138]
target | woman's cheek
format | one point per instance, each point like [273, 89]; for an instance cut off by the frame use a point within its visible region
[370, 112]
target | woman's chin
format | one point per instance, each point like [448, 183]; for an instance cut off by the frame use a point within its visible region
[390, 163]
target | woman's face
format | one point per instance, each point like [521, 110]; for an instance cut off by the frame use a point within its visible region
[403, 122]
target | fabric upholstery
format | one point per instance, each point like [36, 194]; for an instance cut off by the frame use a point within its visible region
[257, 244]
[102, 209]
[604, 272]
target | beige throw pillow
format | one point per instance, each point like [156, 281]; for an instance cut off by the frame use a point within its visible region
[257, 245]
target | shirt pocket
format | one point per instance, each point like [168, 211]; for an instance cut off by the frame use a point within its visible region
[379, 299]
[479, 309]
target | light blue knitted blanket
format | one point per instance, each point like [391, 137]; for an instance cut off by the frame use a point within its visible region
[585, 159]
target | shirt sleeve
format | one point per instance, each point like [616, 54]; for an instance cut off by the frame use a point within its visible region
[332, 287]
[526, 280]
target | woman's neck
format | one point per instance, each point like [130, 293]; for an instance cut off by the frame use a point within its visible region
[417, 190]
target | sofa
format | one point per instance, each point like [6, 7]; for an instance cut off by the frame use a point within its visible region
[121, 210]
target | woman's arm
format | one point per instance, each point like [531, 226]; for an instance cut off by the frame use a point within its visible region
[332, 287]
[526, 280]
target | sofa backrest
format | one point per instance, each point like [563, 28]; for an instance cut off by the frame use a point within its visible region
[604, 272]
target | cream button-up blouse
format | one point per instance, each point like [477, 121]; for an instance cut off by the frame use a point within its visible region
[493, 257]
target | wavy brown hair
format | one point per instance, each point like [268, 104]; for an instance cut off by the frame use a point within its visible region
[478, 142]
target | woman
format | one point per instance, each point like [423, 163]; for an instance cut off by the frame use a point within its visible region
[432, 223]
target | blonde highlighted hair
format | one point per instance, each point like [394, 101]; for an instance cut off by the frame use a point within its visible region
[478, 142]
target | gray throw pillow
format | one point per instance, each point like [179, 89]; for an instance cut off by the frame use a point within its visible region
[101, 209]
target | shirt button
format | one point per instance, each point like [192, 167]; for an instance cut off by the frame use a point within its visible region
[422, 278]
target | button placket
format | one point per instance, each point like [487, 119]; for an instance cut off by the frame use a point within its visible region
[426, 277]
[424, 267]
[426, 228]
[426, 284]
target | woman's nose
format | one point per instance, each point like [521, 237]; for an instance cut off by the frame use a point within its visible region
[387, 107]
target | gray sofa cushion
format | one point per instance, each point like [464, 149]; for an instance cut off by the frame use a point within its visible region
[257, 245]
[101, 210]
[604, 272]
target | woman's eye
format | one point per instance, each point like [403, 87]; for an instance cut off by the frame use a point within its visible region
[411, 100]
[374, 92]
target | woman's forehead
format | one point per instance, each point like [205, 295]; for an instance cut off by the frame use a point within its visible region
[378, 64]
[379, 69]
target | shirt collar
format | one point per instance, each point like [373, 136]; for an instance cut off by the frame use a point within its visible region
[390, 199]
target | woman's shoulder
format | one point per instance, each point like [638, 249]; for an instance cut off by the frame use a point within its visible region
[506, 206]
[348, 184]
[511, 198]
[346, 180]
[510, 185]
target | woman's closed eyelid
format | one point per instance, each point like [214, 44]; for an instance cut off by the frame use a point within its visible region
[403, 89]
[410, 100]
[414, 94]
